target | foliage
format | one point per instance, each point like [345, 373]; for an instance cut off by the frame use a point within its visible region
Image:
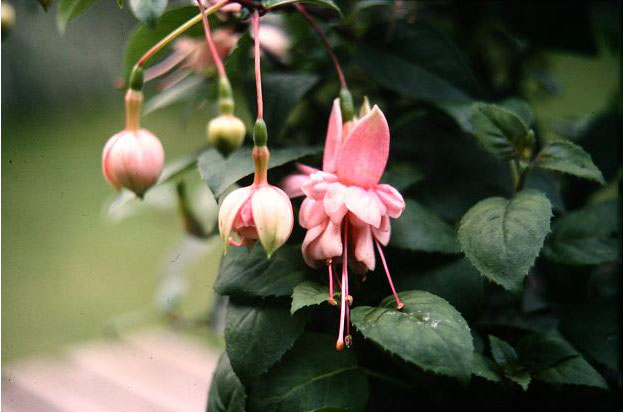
[491, 236]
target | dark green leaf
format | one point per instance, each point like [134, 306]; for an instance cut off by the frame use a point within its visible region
[428, 332]
[564, 156]
[457, 282]
[251, 274]
[593, 328]
[501, 132]
[552, 359]
[69, 10]
[585, 237]
[313, 375]
[502, 352]
[521, 377]
[120, 3]
[420, 229]
[485, 368]
[406, 78]
[257, 335]
[271, 4]
[521, 108]
[226, 391]
[309, 293]
[220, 173]
[402, 175]
[281, 93]
[502, 237]
[143, 38]
[148, 11]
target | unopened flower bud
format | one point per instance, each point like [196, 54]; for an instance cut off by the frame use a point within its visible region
[133, 158]
[226, 133]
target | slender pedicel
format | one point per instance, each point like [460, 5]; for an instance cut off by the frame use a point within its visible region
[258, 74]
[389, 278]
[206, 28]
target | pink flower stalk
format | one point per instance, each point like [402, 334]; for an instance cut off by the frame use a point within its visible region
[258, 212]
[133, 158]
[346, 210]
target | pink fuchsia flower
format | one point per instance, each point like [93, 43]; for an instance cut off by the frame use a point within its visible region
[258, 212]
[133, 158]
[346, 210]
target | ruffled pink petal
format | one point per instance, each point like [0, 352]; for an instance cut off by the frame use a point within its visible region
[318, 184]
[364, 204]
[311, 213]
[321, 243]
[292, 184]
[228, 212]
[334, 138]
[383, 233]
[362, 157]
[364, 246]
[334, 204]
[392, 199]
[306, 170]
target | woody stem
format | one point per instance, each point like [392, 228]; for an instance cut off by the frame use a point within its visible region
[215, 56]
[258, 74]
[323, 38]
[389, 278]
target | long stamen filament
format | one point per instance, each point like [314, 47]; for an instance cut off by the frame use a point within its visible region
[339, 345]
[323, 38]
[215, 56]
[332, 300]
[389, 278]
[258, 74]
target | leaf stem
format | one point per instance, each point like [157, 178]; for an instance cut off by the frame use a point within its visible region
[181, 29]
[323, 38]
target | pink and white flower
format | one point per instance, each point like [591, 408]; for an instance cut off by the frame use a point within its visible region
[346, 210]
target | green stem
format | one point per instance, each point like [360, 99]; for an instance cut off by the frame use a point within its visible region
[181, 29]
[514, 173]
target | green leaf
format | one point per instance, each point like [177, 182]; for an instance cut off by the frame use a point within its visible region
[420, 229]
[253, 275]
[593, 328]
[144, 37]
[503, 353]
[281, 93]
[502, 237]
[506, 357]
[68, 10]
[502, 133]
[257, 335]
[220, 173]
[309, 293]
[552, 359]
[120, 3]
[313, 375]
[406, 78]
[226, 391]
[585, 237]
[402, 175]
[566, 157]
[485, 368]
[521, 108]
[457, 282]
[148, 11]
[428, 332]
[329, 4]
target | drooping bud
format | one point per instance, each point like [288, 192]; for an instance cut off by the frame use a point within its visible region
[133, 158]
[226, 132]
[273, 217]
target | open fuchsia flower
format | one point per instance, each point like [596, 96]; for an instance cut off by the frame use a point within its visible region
[133, 158]
[346, 210]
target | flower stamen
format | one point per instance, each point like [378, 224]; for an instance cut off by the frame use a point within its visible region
[339, 345]
[332, 300]
[389, 277]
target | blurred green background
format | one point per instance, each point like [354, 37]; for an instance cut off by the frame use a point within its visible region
[67, 271]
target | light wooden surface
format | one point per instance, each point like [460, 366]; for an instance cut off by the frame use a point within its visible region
[149, 371]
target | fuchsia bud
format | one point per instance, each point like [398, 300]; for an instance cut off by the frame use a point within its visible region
[258, 212]
[133, 158]
[226, 132]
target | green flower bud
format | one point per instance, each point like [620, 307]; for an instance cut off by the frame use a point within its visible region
[226, 133]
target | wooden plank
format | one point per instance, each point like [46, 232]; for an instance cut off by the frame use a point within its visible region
[15, 398]
[69, 387]
[183, 352]
[148, 375]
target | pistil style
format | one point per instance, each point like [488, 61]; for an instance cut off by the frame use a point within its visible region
[389, 277]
